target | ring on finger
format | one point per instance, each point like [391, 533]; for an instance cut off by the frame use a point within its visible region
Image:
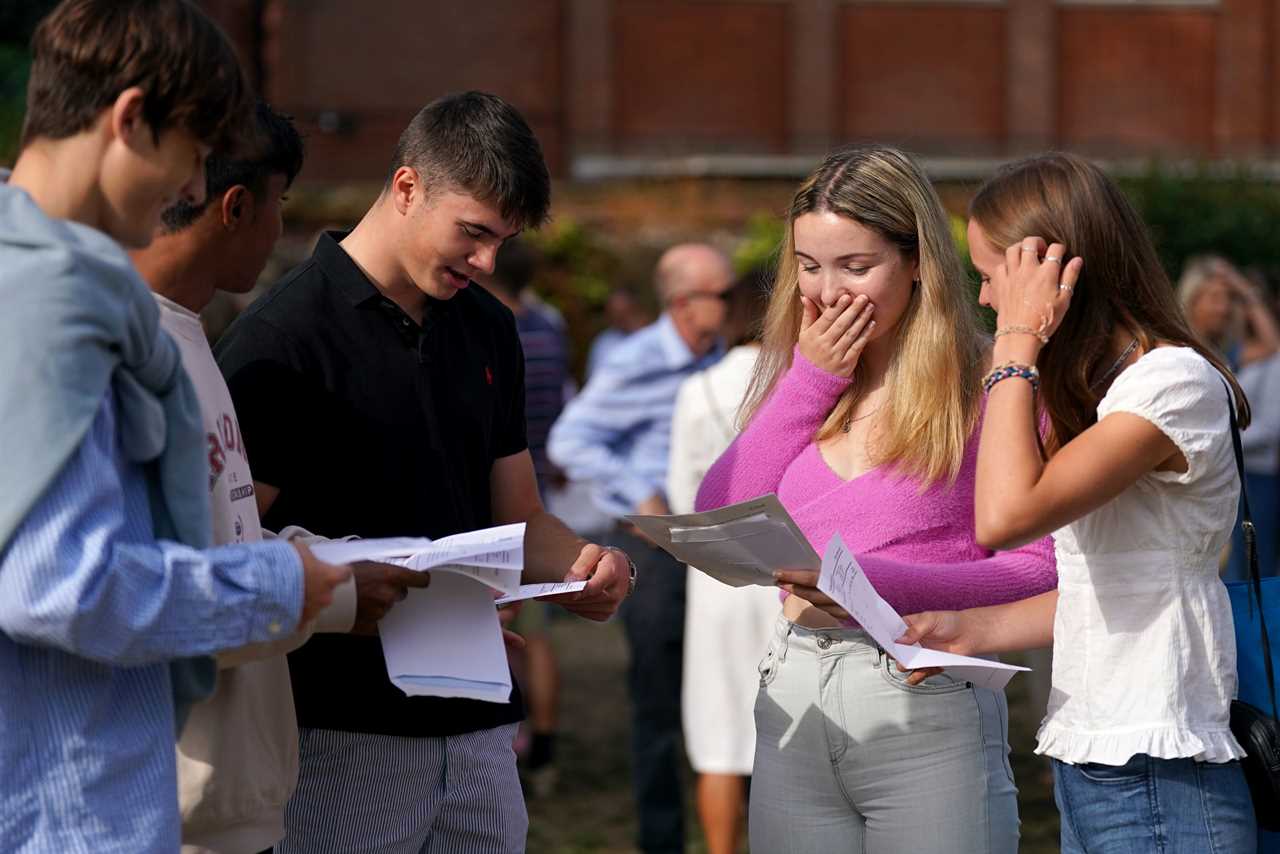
[1028, 249]
[1057, 259]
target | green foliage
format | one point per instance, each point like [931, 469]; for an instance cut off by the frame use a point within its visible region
[577, 273]
[14, 66]
[576, 265]
[761, 240]
[18, 20]
[1235, 214]
[960, 236]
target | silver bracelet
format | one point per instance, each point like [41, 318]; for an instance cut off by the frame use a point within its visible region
[631, 580]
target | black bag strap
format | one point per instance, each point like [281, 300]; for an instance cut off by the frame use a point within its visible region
[1251, 552]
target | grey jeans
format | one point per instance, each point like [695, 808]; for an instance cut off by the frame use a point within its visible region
[849, 758]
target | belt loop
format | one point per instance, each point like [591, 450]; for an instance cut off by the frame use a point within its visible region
[784, 641]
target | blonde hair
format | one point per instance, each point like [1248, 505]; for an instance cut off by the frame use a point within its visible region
[931, 409]
[1198, 272]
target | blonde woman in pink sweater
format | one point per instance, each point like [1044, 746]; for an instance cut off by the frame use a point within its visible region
[863, 418]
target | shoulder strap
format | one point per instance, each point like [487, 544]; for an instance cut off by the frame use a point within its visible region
[1251, 552]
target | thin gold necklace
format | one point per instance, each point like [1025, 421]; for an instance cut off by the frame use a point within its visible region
[849, 421]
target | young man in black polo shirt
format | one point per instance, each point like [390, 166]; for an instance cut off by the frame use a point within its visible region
[381, 394]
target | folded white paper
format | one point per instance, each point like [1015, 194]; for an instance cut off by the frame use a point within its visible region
[445, 641]
[843, 580]
[492, 556]
[738, 545]
[537, 591]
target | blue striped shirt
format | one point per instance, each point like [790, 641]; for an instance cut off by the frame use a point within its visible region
[616, 434]
[546, 370]
[91, 608]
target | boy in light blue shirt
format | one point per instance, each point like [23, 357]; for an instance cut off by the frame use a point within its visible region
[110, 599]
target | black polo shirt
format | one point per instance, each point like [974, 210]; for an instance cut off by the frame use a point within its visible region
[370, 424]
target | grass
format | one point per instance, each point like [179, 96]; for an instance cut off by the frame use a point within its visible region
[592, 811]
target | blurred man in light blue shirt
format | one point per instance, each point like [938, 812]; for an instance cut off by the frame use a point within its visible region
[616, 435]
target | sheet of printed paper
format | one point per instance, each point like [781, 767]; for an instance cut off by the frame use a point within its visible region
[537, 591]
[505, 580]
[445, 641]
[498, 548]
[737, 545]
[350, 551]
[843, 580]
[492, 556]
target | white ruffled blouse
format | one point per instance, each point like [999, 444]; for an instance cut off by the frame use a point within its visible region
[1144, 657]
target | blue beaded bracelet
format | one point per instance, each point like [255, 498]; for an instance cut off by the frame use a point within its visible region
[1004, 372]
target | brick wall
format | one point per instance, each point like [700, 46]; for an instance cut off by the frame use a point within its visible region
[634, 78]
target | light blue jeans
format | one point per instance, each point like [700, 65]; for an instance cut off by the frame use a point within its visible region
[849, 758]
[1154, 806]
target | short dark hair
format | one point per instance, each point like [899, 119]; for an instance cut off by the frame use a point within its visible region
[516, 264]
[272, 146]
[481, 145]
[86, 52]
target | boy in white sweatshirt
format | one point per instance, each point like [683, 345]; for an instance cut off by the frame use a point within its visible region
[238, 757]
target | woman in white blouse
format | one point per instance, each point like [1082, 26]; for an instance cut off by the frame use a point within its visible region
[726, 628]
[1137, 483]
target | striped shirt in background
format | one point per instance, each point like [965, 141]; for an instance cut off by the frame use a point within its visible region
[616, 434]
[91, 610]
[546, 371]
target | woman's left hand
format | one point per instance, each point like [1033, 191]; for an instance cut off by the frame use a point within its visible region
[1032, 289]
[804, 584]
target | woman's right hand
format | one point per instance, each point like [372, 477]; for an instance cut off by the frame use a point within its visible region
[948, 631]
[833, 338]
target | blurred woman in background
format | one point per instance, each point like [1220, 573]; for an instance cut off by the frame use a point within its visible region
[1231, 314]
[726, 628]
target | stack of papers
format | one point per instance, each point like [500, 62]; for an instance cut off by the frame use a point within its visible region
[492, 556]
[739, 545]
[445, 640]
[843, 580]
[746, 543]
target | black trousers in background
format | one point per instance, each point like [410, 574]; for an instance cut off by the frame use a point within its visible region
[653, 618]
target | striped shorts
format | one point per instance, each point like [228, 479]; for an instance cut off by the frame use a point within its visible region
[359, 792]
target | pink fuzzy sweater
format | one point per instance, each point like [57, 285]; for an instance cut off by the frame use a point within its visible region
[918, 549]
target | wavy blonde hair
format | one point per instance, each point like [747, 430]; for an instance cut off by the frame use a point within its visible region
[932, 404]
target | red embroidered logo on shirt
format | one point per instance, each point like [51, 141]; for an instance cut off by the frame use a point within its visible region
[488, 375]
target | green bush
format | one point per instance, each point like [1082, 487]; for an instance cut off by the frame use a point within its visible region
[14, 65]
[1235, 214]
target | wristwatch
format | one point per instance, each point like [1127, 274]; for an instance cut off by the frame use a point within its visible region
[631, 579]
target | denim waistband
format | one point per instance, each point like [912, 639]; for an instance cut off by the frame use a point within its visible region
[824, 641]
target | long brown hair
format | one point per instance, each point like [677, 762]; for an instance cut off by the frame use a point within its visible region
[931, 409]
[1066, 199]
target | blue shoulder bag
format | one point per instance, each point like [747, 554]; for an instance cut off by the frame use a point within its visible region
[1252, 602]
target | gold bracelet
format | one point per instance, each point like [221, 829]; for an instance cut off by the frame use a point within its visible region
[1021, 330]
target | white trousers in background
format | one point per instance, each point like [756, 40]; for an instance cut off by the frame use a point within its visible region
[726, 631]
